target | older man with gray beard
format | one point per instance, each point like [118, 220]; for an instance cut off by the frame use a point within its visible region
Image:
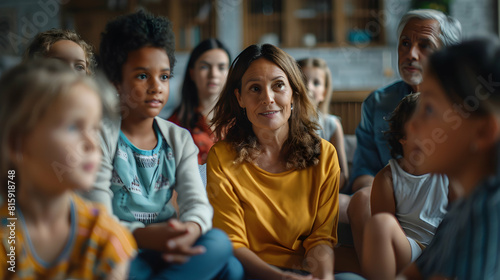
[420, 33]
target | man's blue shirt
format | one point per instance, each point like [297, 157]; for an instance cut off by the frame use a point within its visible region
[372, 152]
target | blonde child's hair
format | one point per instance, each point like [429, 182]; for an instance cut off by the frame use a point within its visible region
[43, 41]
[321, 64]
[26, 93]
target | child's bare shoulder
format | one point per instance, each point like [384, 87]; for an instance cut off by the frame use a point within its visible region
[384, 176]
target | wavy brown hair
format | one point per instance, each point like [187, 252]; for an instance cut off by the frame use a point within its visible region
[43, 41]
[302, 147]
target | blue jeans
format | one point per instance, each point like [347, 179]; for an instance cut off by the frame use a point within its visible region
[217, 262]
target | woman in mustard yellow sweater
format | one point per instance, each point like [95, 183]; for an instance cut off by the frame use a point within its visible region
[272, 181]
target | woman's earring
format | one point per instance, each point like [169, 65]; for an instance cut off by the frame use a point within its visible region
[291, 107]
[244, 111]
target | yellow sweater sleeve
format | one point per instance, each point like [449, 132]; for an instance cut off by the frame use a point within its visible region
[325, 224]
[228, 213]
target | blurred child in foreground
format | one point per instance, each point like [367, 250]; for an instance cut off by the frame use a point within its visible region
[49, 123]
[457, 124]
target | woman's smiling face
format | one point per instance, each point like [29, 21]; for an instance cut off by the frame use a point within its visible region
[266, 95]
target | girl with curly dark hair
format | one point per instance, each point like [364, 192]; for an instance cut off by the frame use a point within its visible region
[146, 158]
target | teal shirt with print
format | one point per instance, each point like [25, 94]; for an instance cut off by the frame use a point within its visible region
[142, 181]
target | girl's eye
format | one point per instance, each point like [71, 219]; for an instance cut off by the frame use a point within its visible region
[405, 43]
[142, 76]
[316, 83]
[222, 68]
[165, 77]
[73, 127]
[79, 67]
[254, 88]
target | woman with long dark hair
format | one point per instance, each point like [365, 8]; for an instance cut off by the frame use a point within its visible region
[203, 81]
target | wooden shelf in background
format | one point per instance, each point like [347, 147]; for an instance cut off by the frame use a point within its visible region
[347, 105]
[330, 25]
[350, 96]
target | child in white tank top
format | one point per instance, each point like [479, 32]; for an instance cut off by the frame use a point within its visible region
[407, 206]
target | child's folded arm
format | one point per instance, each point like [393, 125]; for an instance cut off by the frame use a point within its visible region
[192, 195]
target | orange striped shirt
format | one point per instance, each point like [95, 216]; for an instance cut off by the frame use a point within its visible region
[96, 244]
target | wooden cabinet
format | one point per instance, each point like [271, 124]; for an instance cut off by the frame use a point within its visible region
[88, 18]
[347, 105]
[263, 20]
[313, 23]
[192, 20]
[287, 23]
